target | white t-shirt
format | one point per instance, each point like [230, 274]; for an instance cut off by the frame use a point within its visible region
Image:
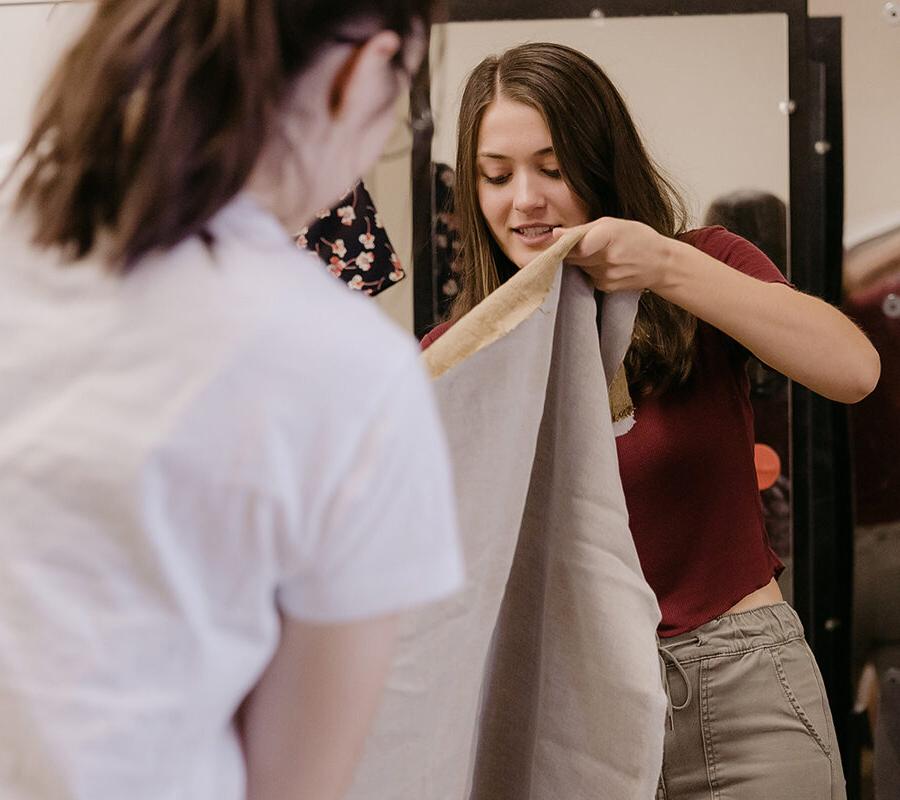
[223, 433]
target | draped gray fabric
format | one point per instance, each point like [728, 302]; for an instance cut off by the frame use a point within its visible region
[540, 681]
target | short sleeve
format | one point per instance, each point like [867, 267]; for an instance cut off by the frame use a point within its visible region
[736, 252]
[745, 257]
[387, 535]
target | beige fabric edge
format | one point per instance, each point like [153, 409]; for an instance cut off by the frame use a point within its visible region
[501, 311]
[505, 309]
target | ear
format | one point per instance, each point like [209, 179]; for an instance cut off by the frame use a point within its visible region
[356, 80]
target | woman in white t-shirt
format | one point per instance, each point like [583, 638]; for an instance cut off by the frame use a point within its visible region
[221, 472]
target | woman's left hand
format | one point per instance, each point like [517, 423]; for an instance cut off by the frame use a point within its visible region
[620, 254]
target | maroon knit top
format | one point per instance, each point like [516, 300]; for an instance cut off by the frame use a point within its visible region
[688, 472]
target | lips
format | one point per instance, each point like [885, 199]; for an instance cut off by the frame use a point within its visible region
[534, 235]
[533, 231]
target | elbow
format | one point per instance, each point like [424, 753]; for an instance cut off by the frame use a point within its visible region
[866, 377]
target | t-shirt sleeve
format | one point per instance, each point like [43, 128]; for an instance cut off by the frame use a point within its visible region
[745, 257]
[386, 534]
[736, 252]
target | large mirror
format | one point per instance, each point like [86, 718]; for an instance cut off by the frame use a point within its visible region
[722, 134]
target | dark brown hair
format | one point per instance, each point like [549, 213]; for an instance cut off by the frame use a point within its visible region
[603, 160]
[158, 114]
[760, 217]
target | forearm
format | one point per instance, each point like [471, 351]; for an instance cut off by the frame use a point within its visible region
[801, 336]
[305, 723]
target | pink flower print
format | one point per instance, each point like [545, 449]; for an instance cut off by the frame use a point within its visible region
[356, 282]
[347, 215]
[323, 213]
[367, 241]
[338, 248]
[397, 275]
[301, 237]
[377, 219]
[364, 261]
[336, 266]
[395, 262]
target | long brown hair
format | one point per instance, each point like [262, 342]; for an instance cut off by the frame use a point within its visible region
[158, 114]
[602, 158]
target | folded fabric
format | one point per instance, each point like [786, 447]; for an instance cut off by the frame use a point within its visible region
[517, 299]
[540, 681]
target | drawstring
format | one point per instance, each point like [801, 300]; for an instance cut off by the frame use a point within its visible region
[664, 653]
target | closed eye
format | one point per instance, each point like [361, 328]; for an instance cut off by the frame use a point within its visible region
[499, 180]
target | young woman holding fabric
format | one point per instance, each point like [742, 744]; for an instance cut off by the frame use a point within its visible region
[547, 144]
[212, 508]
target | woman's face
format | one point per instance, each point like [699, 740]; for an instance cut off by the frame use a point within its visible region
[520, 189]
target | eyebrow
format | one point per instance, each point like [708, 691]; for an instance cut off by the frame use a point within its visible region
[546, 151]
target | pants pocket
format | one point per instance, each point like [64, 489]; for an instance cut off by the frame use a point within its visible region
[802, 686]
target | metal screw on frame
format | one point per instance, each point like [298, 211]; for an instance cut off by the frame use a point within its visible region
[422, 121]
[822, 147]
[891, 12]
[891, 306]
[787, 106]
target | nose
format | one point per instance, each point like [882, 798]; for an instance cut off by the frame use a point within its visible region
[528, 196]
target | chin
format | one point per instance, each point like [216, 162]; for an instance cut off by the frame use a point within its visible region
[523, 259]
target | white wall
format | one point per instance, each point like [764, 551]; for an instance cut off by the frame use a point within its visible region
[32, 38]
[871, 115]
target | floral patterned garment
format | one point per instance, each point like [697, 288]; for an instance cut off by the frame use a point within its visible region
[353, 243]
[446, 239]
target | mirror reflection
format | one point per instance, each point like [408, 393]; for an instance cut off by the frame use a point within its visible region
[718, 135]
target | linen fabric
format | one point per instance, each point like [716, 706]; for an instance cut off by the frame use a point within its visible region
[185, 452]
[751, 717]
[689, 474]
[540, 680]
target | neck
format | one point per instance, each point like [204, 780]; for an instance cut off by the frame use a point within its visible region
[286, 198]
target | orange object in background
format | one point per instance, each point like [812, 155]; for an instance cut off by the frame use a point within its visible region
[768, 466]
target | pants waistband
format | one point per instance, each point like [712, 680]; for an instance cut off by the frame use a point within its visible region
[736, 633]
[730, 634]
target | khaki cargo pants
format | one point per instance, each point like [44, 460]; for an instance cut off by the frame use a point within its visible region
[749, 718]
